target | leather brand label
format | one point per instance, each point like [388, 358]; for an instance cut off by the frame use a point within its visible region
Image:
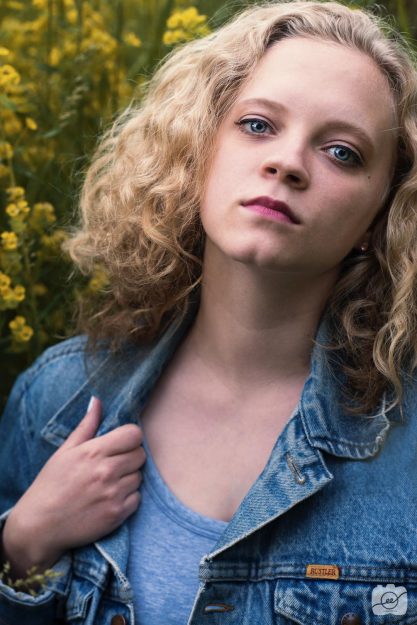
[322, 571]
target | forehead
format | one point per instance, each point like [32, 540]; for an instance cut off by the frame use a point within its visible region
[326, 78]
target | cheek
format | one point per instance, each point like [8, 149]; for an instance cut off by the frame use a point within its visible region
[353, 204]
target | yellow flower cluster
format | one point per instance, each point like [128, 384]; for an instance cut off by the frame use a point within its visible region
[6, 150]
[52, 242]
[18, 210]
[132, 40]
[21, 332]
[9, 77]
[184, 25]
[10, 297]
[9, 241]
[43, 214]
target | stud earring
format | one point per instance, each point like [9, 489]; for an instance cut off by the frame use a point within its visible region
[364, 247]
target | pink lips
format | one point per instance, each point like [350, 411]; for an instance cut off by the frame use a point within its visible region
[270, 207]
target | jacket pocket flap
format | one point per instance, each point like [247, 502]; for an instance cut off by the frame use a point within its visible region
[308, 602]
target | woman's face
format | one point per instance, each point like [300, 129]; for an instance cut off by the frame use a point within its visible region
[314, 129]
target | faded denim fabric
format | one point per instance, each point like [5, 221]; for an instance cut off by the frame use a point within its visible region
[328, 528]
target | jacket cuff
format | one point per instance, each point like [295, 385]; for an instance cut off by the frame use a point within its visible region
[21, 607]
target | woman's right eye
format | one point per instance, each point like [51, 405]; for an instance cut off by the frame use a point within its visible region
[254, 122]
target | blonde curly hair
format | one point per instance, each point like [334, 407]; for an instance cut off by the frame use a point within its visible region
[140, 200]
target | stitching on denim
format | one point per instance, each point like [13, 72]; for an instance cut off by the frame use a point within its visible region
[295, 469]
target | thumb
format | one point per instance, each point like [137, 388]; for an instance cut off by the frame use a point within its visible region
[87, 427]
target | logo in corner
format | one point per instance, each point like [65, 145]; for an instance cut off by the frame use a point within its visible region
[389, 599]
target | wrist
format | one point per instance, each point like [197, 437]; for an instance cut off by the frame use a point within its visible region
[23, 548]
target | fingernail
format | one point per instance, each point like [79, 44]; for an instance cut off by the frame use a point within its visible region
[90, 405]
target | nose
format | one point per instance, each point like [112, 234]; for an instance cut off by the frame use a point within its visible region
[287, 163]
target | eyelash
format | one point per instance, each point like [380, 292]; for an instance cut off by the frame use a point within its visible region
[357, 160]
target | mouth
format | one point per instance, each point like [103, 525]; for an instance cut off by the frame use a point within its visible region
[273, 205]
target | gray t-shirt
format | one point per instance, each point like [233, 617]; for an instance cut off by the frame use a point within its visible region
[167, 542]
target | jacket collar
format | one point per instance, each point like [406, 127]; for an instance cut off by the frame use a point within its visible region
[124, 381]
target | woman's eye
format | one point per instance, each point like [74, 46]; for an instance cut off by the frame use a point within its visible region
[256, 126]
[343, 154]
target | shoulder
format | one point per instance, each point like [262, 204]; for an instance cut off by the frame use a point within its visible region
[60, 367]
[51, 380]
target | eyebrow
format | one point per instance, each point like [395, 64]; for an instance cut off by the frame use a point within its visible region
[333, 124]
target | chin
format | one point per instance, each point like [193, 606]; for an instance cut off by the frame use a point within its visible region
[261, 260]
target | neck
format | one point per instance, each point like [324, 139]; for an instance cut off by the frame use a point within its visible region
[255, 326]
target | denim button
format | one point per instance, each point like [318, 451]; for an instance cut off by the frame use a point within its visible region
[118, 620]
[351, 619]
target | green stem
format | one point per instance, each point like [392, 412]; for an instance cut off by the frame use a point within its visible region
[155, 49]
[9, 160]
[80, 24]
[118, 36]
[49, 44]
[402, 16]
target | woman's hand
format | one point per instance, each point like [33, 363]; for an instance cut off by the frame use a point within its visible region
[85, 491]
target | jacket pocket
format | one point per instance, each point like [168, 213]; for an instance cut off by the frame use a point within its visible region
[79, 601]
[309, 602]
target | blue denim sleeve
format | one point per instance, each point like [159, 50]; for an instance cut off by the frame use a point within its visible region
[16, 471]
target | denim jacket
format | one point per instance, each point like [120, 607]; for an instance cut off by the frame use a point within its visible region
[326, 535]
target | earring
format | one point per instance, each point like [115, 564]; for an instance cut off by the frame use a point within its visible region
[364, 247]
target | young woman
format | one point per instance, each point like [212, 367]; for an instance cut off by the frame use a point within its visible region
[256, 216]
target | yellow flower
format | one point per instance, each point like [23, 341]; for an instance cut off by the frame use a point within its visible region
[174, 20]
[69, 48]
[6, 150]
[184, 25]
[8, 76]
[72, 16]
[15, 193]
[31, 124]
[11, 124]
[25, 334]
[17, 323]
[132, 40]
[40, 4]
[12, 210]
[19, 292]
[20, 330]
[54, 56]
[4, 51]
[7, 293]
[188, 19]
[23, 207]
[9, 240]
[101, 40]
[5, 280]
[53, 242]
[43, 213]
[17, 210]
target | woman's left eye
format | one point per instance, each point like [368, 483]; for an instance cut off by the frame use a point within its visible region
[345, 155]
[254, 122]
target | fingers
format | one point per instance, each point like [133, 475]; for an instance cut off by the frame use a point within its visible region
[125, 464]
[128, 484]
[88, 426]
[131, 503]
[120, 440]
